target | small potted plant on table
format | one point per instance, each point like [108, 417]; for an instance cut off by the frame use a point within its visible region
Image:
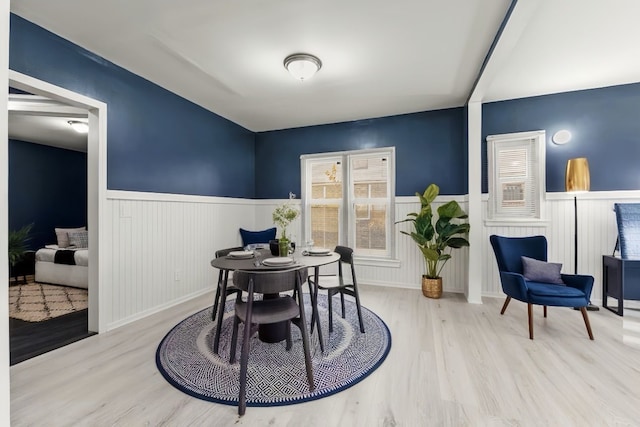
[282, 216]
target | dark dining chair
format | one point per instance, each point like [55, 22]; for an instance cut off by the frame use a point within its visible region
[250, 237]
[223, 290]
[338, 284]
[268, 311]
[526, 276]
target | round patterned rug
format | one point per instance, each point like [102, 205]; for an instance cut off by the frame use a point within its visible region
[275, 376]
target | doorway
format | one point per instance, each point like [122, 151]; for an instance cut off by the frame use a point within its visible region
[96, 184]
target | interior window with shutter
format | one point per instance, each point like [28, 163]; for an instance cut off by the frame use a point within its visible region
[516, 176]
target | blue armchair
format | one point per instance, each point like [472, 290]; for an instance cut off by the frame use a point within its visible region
[573, 292]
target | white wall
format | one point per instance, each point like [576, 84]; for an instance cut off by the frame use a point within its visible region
[161, 245]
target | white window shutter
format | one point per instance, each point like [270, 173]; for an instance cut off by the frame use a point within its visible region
[516, 175]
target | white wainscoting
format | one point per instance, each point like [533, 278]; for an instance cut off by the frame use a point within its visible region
[597, 232]
[160, 245]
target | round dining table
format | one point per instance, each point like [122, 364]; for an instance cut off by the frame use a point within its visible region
[270, 333]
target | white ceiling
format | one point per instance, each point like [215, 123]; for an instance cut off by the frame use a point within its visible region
[45, 121]
[380, 58]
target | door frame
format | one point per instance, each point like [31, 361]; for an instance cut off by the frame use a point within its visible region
[96, 187]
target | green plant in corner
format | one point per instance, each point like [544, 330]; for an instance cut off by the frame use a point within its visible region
[436, 240]
[18, 243]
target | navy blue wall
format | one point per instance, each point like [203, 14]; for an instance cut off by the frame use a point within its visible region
[157, 141]
[430, 147]
[605, 128]
[47, 187]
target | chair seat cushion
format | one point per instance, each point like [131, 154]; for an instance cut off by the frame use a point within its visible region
[551, 290]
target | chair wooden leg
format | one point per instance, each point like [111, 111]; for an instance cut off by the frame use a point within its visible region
[357, 296]
[315, 315]
[506, 303]
[342, 302]
[222, 291]
[530, 313]
[289, 340]
[215, 303]
[234, 340]
[585, 316]
[216, 340]
[329, 299]
[305, 344]
[244, 356]
[314, 306]
[545, 311]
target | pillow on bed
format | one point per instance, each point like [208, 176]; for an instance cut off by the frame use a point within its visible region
[79, 239]
[62, 234]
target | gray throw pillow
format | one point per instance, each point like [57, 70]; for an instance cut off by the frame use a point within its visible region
[79, 239]
[540, 271]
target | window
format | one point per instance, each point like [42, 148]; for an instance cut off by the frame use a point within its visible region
[348, 200]
[516, 176]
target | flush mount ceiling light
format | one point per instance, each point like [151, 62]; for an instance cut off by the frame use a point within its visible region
[80, 127]
[302, 66]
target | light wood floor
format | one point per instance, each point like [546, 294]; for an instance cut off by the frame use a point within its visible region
[451, 364]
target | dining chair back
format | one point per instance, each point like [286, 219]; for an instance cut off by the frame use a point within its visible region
[339, 284]
[268, 311]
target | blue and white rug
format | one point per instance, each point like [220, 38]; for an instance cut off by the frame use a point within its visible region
[275, 377]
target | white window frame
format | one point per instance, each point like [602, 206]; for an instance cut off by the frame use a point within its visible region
[498, 209]
[346, 232]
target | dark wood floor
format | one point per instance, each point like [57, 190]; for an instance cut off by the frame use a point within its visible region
[30, 339]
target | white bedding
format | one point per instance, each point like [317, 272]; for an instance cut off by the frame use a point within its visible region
[62, 274]
[47, 254]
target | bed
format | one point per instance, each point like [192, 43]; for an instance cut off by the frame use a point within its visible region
[65, 263]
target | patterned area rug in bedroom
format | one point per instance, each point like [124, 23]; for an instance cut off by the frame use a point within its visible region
[36, 302]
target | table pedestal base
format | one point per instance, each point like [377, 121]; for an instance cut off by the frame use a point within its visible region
[273, 332]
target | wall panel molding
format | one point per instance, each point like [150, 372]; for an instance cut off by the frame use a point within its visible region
[161, 246]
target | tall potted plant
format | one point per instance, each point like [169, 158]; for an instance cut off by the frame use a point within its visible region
[436, 237]
[18, 248]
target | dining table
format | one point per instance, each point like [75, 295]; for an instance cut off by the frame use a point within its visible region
[259, 261]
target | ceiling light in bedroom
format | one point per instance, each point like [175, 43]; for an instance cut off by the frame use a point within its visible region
[80, 127]
[302, 66]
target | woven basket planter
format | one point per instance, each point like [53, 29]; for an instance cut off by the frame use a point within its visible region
[432, 288]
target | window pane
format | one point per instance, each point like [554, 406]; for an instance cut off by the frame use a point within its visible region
[370, 176]
[371, 222]
[348, 199]
[325, 222]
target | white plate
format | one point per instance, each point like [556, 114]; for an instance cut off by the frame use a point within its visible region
[318, 251]
[277, 261]
[241, 254]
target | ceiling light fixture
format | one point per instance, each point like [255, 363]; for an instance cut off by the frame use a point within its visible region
[80, 127]
[302, 66]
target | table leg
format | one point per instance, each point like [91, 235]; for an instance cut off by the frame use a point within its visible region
[221, 304]
[315, 316]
